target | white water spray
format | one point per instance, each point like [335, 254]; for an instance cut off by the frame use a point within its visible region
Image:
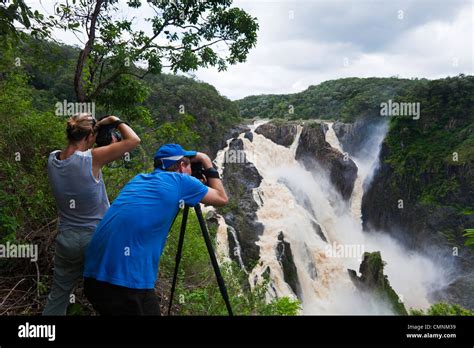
[293, 200]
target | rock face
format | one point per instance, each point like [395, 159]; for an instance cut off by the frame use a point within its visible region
[280, 133]
[422, 227]
[234, 132]
[239, 181]
[373, 280]
[314, 150]
[381, 209]
[248, 135]
[310, 264]
[353, 136]
[211, 220]
[285, 257]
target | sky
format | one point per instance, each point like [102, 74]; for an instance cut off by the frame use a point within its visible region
[305, 42]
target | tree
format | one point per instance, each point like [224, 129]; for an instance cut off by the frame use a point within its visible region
[184, 33]
[16, 17]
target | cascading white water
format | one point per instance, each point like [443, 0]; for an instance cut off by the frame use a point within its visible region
[281, 212]
[358, 192]
[325, 284]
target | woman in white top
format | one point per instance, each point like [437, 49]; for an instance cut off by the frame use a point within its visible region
[78, 187]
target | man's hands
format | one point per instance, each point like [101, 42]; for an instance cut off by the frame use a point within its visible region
[216, 195]
[203, 158]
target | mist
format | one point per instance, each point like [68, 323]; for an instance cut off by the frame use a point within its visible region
[294, 200]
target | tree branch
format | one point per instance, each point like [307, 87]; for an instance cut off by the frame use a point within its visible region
[78, 87]
[103, 84]
[138, 75]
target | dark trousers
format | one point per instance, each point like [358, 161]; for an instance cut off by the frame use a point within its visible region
[110, 299]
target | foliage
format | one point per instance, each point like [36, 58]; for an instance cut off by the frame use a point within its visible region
[282, 306]
[148, 104]
[17, 11]
[31, 130]
[197, 291]
[183, 37]
[343, 99]
[126, 96]
[179, 132]
[469, 238]
[443, 309]
[27, 136]
[431, 159]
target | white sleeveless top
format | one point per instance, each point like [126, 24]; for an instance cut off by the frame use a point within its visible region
[81, 198]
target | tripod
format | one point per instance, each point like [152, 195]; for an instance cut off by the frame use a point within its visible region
[215, 265]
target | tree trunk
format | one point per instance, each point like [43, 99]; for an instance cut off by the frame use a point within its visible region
[78, 86]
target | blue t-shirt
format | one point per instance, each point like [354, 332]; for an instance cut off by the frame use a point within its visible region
[127, 244]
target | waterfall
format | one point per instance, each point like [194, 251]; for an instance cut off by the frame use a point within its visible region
[331, 137]
[293, 200]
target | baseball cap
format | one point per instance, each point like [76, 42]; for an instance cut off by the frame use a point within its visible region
[170, 154]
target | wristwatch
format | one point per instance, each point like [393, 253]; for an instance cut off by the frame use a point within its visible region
[211, 173]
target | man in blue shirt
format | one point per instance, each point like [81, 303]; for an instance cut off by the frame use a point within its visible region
[122, 259]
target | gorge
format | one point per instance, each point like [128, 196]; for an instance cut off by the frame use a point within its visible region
[297, 202]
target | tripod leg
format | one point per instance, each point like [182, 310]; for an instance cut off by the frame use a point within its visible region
[178, 254]
[215, 265]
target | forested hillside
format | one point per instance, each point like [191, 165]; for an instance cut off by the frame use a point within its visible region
[342, 99]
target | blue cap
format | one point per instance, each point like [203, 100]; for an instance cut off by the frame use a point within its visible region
[169, 154]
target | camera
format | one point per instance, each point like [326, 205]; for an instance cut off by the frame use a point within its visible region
[106, 134]
[197, 170]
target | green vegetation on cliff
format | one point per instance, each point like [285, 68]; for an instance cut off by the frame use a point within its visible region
[428, 163]
[374, 281]
[342, 99]
[443, 309]
[433, 157]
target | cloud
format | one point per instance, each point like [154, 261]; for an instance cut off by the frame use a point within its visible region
[305, 42]
[308, 42]
[369, 24]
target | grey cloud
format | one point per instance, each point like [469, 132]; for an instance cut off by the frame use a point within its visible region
[369, 24]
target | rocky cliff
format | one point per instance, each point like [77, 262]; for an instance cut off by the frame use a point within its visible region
[280, 133]
[373, 280]
[285, 257]
[353, 137]
[239, 180]
[313, 150]
[423, 192]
